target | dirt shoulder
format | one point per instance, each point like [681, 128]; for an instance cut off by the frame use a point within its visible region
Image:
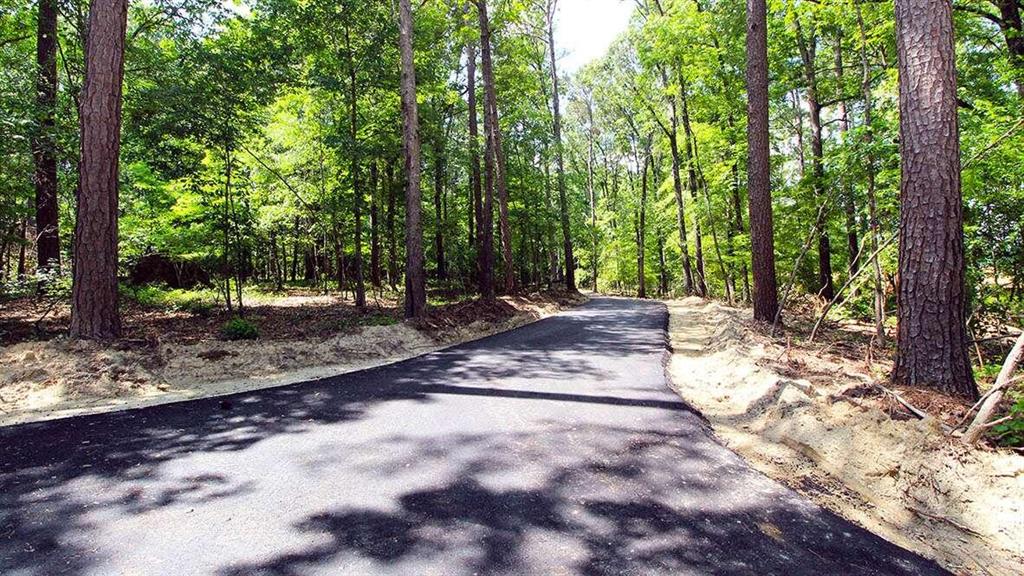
[59, 377]
[805, 416]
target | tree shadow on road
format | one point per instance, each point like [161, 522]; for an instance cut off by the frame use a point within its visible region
[604, 475]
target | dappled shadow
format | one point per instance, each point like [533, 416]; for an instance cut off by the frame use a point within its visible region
[555, 448]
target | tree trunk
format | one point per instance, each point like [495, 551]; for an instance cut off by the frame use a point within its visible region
[677, 188]
[491, 168]
[931, 308]
[392, 240]
[44, 147]
[415, 272]
[439, 168]
[1013, 32]
[563, 204]
[641, 231]
[492, 132]
[700, 276]
[483, 242]
[357, 191]
[846, 191]
[808, 50]
[374, 226]
[870, 169]
[762, 242]
[94, 306]
[594, 257]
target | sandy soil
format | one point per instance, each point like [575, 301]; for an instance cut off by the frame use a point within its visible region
[904, 479]
[60, 377]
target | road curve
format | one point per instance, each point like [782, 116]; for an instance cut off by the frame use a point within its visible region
[557, 448]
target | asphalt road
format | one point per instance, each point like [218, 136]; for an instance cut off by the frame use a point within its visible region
[557, 448]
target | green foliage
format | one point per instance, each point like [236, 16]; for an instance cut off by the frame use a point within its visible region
[239, 328]
[199, 302]
[1011, 431]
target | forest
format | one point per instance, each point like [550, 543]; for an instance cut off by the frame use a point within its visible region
[863, 157]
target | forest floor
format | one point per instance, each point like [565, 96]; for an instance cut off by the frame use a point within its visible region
[810, 416]
[169, 355]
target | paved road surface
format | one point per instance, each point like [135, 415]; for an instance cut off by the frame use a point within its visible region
[554, 449]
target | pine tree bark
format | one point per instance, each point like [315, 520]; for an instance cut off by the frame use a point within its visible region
[563, 204]
[94, 304]
[415, 271]
[44, 147]
[762, 241]
[931, 307]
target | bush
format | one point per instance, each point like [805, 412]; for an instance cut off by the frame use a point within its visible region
[1011, 432]
[239, 329]
[198, 302]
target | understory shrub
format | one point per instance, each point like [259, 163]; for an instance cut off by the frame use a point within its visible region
[239, 329]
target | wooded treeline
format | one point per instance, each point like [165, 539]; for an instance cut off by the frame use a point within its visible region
[746, 155]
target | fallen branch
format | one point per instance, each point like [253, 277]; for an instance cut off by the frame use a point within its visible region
[921, 414]
[995, 396]
[796, 264]
[849, 282]
[952, 523]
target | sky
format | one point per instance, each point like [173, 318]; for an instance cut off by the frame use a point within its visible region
[584, 29]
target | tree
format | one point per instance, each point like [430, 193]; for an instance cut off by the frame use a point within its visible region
[931, 335]
[94, 306]
[762, 235]
[570, 266]
[415, 270]
[44, 146]
[493, 167]
[484, 226]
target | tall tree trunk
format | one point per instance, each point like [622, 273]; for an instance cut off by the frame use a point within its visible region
[392, 239]
[762, 241]
[871, 169]
[94, 306]
[21, 248]
[846, 191]
[677, 188]
[357, 191]
[492, 131]
[737, 207]
[594, 257]
[563, 204]
[1010, 23]
[375, 226]
[483, 241]
[439, 168]
[44, 147]
[690, 152]
[491, 168]
[641, 231]
[415, 271]
[808, 50]
[932, 332]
